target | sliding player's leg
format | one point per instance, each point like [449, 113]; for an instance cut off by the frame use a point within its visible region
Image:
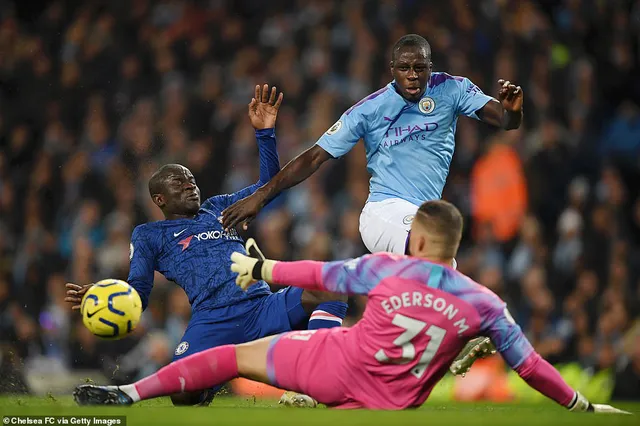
[311, 362]
[203, 370]
[209, 329]
[295, 309]
[302, 361]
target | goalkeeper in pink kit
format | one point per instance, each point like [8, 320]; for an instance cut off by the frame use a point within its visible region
[419, 315]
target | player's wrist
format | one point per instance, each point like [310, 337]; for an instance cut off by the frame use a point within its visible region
[265, 131]
[263, 270]
[580, 404]
[267, 270]
[264, 194]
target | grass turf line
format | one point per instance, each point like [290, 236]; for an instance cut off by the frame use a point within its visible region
[243, 411]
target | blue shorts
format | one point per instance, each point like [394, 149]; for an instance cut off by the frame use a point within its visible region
[249, 320]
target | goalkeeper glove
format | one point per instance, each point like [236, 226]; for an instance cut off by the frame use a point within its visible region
[581, 404]
[253, 267]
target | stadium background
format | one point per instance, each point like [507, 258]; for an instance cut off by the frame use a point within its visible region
[94, 96]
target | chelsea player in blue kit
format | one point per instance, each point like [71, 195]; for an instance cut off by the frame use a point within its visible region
[408, 128]
[192, 249]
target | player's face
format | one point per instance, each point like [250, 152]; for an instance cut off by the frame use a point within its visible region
[411, 70]
[181, 194]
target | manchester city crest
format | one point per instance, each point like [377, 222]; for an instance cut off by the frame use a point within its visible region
[427, 105]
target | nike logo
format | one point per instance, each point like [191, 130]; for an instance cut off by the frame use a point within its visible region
[183, 383]
[90, 314]
[175, 234]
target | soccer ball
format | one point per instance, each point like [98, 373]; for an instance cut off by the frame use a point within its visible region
[111, 309]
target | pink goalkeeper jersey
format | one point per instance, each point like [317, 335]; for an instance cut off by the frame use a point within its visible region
[418, 318]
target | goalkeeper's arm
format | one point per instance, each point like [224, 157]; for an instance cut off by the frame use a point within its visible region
[346, 277]
[517, 351]
[254, 267]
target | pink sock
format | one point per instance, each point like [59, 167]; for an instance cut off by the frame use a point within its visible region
[196, 372]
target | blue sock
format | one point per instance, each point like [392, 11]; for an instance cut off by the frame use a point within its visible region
[327, 315]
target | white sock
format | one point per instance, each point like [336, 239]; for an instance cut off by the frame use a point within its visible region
[131, 391]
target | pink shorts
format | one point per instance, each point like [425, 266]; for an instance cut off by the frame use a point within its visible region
[310, 362]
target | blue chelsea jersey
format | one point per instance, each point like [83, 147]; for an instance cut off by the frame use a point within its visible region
[409, 145]
[196, 253]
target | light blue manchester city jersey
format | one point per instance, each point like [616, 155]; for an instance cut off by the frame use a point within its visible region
[409, 145]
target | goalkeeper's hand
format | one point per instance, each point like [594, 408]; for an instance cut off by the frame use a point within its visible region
[251, 267]
[582, 404]
[607, 409]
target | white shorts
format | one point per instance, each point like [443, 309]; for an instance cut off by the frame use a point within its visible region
[384, 225]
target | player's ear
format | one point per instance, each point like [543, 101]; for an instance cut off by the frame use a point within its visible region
[430, 66]
[158, 200]
[417, 243]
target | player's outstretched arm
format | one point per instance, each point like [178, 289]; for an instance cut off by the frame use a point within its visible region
[336, 142]
[507, 112]
[297, 170]
[517, 351]
[342, 277]
[263, 113]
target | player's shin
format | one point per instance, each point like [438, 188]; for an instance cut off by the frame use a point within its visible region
[327, 315]
[196, 372]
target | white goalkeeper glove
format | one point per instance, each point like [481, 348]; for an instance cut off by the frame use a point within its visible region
[253, 267]
[582, 404]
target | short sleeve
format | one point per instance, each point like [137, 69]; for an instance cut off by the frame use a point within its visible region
[344, 134]
[471, 98]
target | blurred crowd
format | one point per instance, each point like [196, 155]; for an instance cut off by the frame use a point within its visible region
[95, 96]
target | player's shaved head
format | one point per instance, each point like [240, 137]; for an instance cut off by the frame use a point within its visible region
[159, 177]
[414, 41]
[173, 188]
[436, 231]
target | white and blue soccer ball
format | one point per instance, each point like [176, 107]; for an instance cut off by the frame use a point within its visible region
[111, 309]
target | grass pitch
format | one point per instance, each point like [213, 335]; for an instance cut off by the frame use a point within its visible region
[228, 410]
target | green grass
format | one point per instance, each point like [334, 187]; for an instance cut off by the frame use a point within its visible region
[239, 411]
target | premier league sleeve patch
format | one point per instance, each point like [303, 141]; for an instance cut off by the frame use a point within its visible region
[335, 128]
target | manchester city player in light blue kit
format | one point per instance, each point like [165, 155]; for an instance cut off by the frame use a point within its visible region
[408, 128]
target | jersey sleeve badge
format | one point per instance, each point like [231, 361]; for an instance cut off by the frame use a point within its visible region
[335, 128]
